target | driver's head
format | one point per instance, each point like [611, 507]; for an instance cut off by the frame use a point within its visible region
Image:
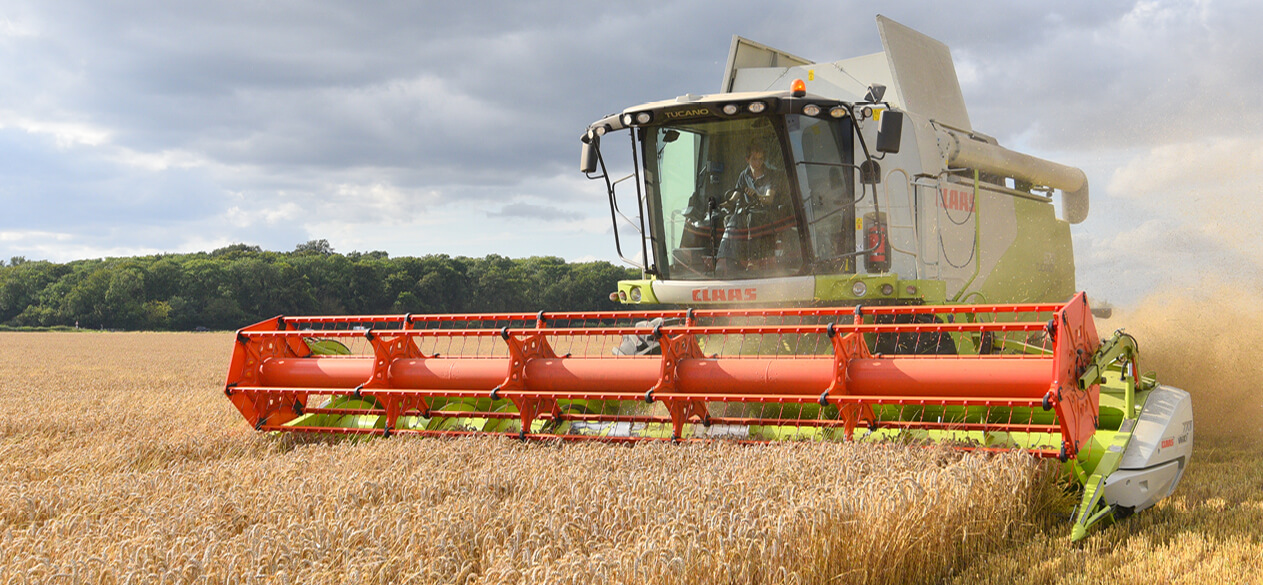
[756, 157]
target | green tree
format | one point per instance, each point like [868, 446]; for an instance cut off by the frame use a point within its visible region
[233, 286]
[317, 247]
[123, 300]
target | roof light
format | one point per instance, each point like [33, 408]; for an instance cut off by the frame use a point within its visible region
[627, 119]
[643, 118]
[837, 112]
[602, 129]
[756, 107]
[811, 110]
[731, 109]
[798, 88]
[867, 112]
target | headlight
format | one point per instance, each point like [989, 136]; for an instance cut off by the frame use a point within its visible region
[887, 289]
[635, 294]
[756, 107]
[811, 110]
[859, 289]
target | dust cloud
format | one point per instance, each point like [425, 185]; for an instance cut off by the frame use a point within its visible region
[1208, 340]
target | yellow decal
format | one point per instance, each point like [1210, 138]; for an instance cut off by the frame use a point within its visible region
[811, 75]
[859, 223]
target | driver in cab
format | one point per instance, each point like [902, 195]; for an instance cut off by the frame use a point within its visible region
[759, 220]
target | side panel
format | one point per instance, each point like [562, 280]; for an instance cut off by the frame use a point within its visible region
[1038, 265]
[993, 246]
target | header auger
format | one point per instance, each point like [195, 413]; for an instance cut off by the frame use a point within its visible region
[828, 236]
[754, 375]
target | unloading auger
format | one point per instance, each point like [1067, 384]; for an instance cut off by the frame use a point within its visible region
[1045, 383]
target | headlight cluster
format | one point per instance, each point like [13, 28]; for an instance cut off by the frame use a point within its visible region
[815, 110]
[637, 118]
[752, 107]
[859, 289]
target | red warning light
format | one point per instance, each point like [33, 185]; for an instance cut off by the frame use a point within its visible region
[798, 88]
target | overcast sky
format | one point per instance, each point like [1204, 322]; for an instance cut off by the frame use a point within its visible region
[139, 127]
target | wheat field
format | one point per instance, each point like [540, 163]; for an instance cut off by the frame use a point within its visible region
[122, 462]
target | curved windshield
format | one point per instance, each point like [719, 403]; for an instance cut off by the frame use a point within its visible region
[725, 200]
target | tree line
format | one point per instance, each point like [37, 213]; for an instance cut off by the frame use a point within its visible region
[242, 284]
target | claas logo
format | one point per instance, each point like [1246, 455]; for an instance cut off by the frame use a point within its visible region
[724, 294]
[957, 199]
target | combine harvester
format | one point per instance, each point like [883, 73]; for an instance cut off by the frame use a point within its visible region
[838, 261]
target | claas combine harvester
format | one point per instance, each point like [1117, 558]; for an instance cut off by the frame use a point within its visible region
[823, 258]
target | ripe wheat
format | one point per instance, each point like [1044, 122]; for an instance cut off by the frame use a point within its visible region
[121, 461]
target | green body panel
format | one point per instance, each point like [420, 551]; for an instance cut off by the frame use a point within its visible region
[1037, 267]
[829, 288]
[837, 287]
[645, 286]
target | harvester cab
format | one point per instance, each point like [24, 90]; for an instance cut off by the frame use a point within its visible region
[840, 256]
[872, 187]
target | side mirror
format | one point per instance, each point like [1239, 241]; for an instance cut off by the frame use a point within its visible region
[588, 157]
[891, 132]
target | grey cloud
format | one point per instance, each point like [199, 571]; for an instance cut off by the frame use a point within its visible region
[532, 211]
[337, 84]
[420, 108]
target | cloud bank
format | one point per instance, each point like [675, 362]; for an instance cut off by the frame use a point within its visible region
[144, 127]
